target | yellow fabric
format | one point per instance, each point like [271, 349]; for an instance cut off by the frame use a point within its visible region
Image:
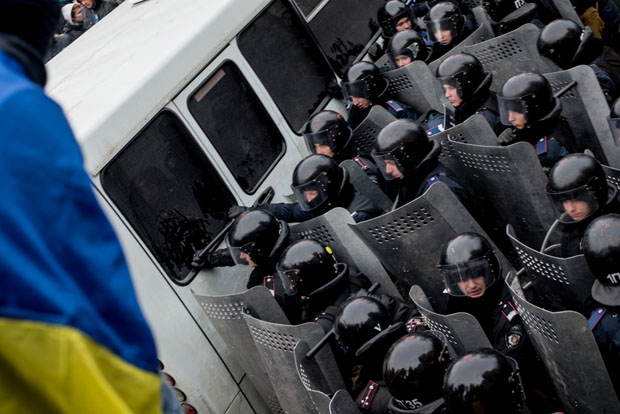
[591, 18]
[51, 369]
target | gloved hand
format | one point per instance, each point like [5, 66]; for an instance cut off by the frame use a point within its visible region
[235, 211]
[205, 262]
[507, 137]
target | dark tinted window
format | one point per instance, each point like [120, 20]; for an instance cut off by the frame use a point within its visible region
[237, 124]
[343, 28]
[167, 189]
[288, 63]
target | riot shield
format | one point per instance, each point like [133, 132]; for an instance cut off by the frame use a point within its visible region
[566, 9]
[311, 377]
[276, 347]
[365, 135]
[414, 85]
[612, 175]
[586, 110]
[384, 62]
[408, 240]
[561, 284]
[342, 403]
[362, 183]
[461, 329]
[226, 315]
[509, 184]
[566, 346]
[332, 229]
[507, 55]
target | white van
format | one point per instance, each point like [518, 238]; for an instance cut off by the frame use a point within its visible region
[184, 108]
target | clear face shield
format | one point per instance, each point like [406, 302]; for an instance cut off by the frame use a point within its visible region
[442, 30]
[389, 164]
[449, 91]
[328, 137]
[574, 205]
[512, 111]
[614, 127]
[312, 194]
[470, 278]
[237, 252]
[292, 278]
[358, 89]
[399, 58]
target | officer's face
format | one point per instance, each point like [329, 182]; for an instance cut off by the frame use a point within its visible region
[324, 150]
[576, 209]
[310, 195]
[474, 288]
[392, 169]
[403, 23]
[443, 36]
[247, 258]
[402, 60]
[89, 4]
[517, 119]
[362, 103]
[452, 95]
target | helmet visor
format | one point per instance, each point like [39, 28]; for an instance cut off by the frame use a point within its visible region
[470, 278]
[574, 205]
[614, 127]
[389, 164]
[330, 137]
[289, 279]
[314, 193]
[357, 89]
[240, 254]
[448, 91]
[441, 30]
[511, 110]
[410, 51]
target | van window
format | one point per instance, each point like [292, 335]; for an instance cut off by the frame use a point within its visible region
[165, 186]
[287, 62]
[343, 28]
[306, 6]
[238, 126]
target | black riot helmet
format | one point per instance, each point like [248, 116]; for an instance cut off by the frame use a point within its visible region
[468, 256]
[614, 121]
[483, 381]
[402, 144]
[529, 94]
[601, 248]
[444, 16]
[407, 43]
[498, 9]
[317, 182]
[364, 80]
[414, 368]
[258, 234]
[306, 266]
[360, 319]
[390, 13]
[463, 72]
[578, 177]
[565, 42]
[327, 128]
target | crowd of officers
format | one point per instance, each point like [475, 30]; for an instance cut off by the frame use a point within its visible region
[391, 360]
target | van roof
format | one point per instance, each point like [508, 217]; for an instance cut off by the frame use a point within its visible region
[122, 71]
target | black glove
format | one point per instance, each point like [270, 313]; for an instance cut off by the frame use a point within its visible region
[235, 211]
[218, 258]
[507, 137]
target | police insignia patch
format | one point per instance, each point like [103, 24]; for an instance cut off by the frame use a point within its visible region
[514, 336]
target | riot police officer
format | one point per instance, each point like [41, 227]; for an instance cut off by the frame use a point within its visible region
[446, 26]
[256, 239]
[413, 370]
[393, 17]
[601, 248]
[528, 105]
[580, 192]
[568, 45]
[327, 133]
[486, 381]
[364, 87]
[320, 184]
[464, 87]
[405, 47]
[409, 162]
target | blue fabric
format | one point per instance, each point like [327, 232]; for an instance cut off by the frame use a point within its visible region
[61, 261]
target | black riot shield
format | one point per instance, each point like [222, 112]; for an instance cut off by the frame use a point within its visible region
[226, 315]
[342, 403]
[566, 346]
[362, 183]
[408, 240]
[276, 347]
[365, 135]
[586, 110]
[509, 184]
[414, 85]
[462, 330]
[333, 230]
[507, 55]
[560, 284]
